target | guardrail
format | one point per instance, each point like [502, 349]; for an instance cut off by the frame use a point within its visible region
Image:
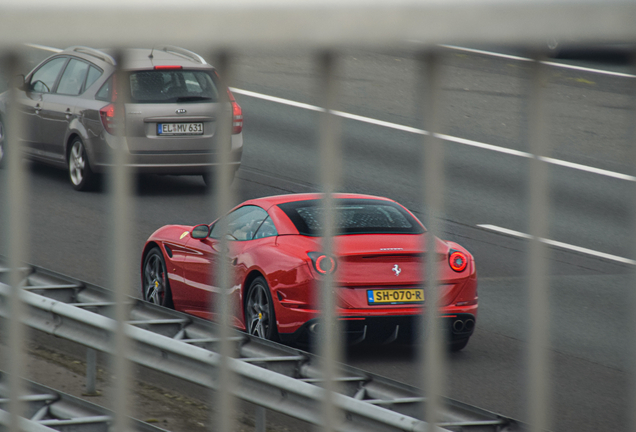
[270, 375]
[51, 410]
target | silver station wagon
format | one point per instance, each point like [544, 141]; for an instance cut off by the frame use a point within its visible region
[173, 98]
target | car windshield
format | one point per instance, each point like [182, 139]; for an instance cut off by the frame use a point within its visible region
[354, 216]
[172, 85]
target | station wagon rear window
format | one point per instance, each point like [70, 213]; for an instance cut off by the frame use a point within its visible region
[173, 86]
[353, 216]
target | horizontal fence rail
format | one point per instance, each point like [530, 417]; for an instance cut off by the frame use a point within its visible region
[313, 23]
[50, 410]
[270, 375]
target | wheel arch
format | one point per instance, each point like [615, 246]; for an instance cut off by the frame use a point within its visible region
[69, 140]
[253, 274]
[149, 246]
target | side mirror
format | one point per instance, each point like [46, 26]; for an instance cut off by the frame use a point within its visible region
[18, 81]
[200, 232]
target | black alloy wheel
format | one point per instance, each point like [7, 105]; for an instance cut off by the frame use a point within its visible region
[79, 170]
[156, 288]
[260, 319]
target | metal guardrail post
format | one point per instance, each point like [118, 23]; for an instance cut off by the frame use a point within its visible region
[91, 372]
[433, 202]
[15, 206]
[539, 305]
[260, 419]
[329, 340]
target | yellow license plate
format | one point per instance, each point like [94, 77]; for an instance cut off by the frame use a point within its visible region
[395, 296]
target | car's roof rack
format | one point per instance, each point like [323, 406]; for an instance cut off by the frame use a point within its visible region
[93, 52]
[182, 52]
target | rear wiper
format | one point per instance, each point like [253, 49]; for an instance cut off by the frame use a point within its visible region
[192, 98]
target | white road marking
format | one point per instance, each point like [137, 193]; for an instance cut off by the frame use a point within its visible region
[417, 131]
[43, 47]
[449, 138]
[559, 244]
[549, 63]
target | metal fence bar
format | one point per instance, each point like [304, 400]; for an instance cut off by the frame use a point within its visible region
[120, 188]
[318, 24]
[538, 306]
[224, 399]
[433, 203]
[16, 188]
[329, 343]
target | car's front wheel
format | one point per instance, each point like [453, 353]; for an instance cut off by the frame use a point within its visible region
[79, 170]
[260, 319]
[156, 288]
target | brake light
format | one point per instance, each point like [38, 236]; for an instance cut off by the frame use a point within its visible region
[107, 115]
[237, 114]
[168, 67]
[323, 264]
[457, 260]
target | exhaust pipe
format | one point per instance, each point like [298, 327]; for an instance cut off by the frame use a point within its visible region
[458, 326]
[469, 325]
[313, 328]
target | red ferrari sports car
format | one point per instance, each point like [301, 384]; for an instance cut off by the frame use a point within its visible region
[274, 251]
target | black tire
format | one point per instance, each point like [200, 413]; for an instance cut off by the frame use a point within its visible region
[210, 178]
[458, 345]
[79, 170]
[155, 286]
[260, 319]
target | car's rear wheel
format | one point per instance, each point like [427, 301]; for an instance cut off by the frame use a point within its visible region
[260, 319]
[79, 170]
[156, 288]
[210, 178]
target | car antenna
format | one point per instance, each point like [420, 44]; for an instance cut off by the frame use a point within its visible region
[151, 56]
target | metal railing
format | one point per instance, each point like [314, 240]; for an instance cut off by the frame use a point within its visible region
[320, 27]
[268, 374]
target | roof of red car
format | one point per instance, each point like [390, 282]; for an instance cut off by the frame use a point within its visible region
[266, 202]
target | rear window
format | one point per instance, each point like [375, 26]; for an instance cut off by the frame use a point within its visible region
[353, 216]
[169, 86]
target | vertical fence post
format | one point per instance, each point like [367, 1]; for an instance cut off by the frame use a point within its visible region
[329, 339]
[14, 230]
[631, 351]
[539, 306]
[120, 190]
[433, 202]
[222, 272]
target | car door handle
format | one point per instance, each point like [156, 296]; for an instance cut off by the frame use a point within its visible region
[68, 113]
[37, 108]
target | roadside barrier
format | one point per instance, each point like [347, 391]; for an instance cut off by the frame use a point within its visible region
[270, 375]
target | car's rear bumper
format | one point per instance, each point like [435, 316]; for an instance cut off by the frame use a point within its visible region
[173, 162]
[459, 323]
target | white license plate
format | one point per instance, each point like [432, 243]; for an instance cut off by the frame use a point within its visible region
[180, 128]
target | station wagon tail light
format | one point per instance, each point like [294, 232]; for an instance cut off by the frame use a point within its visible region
[323, 264]
[457, 260]
[107, 115]
[237, 114]
[168, 67]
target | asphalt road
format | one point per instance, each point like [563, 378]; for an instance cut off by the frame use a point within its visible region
[485, 100]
